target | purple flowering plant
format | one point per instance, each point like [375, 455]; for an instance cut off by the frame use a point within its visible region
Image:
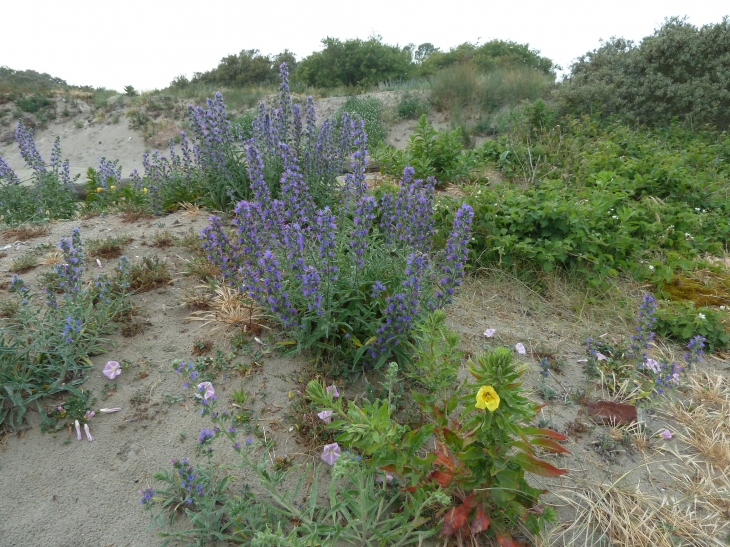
[653, 377]
[50, 196]
[340, 282]
[56, 333]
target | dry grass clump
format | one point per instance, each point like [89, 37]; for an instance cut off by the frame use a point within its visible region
[25, 232]
[705, 421]
[230, 307]
[627, 516]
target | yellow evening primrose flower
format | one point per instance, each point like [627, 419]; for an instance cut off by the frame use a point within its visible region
[113, 187]
[99, 190]
[144, 190]
[487, 398]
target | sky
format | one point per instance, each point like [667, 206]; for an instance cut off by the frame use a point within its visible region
[146, 43]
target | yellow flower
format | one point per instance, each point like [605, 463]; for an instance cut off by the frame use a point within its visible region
[113, 187]
[144, 190]
[99, 190]
[487, 398]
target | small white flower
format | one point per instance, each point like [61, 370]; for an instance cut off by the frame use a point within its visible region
[520, 348]
[651, 267]
[77, 425]
[614, 217]
[697, 208]
[701, 316]
[490, 332]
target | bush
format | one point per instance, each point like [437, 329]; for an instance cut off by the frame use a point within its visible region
[411, 106]
[340, 285]
[371, 111]
[603, 199]
[430, 153]
[679, 72]
[32, 104]
[247, 68]
[495, 54]
[354, 63]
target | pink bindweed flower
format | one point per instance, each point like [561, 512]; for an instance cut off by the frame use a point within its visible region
[388, 478]
[331, 453]
[652, 365]
[206, 388]
[520, 348]
[325, 416]
[88, 433]
[77, 425]
[109, 410]
[98, 263]
[666, 434]
[60, 409]
[332, 390]
[89, 414]
[600, 356]
[490, 332]
[112, 370]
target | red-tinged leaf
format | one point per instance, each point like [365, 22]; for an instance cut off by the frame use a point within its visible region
[390, 468]
[538, 467]
[524, 446]
[443, 478]
[551, 445]
[452, 438]
[410, 489]
[443, 457]
[544, 432]
[480, 522]
[455, 519]
[507, 541]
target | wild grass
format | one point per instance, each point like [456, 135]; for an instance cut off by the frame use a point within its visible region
[230, 307]
[465, 87]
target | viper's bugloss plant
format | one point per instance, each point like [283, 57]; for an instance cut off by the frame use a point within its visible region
[339, 283]
[46, 345]
[482, 451]
[50, 197]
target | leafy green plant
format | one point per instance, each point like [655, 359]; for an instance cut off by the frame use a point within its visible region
[481, 456]
[45, 349]
[149, 274]
[682, 321]
[33, 103]
[430, 153]
[129, 91]
[411, 106]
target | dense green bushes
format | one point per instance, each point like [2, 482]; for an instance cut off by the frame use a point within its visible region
[493, 55]
[679, 72]
[247, 68]
[604, 199]
[354, 63]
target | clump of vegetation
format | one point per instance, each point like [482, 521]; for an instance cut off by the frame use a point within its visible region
[371, 111]
[676, 73]
[149, 274]
[45, 349]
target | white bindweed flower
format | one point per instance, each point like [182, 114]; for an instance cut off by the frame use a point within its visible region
[520, 347]
[77, 425]
[701, 316]
[98, 263]
[109, 410]
[88, 433]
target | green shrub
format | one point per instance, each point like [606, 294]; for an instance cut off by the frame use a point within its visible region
[678, 72]
[430, 153]
[247, 68]
[32, 104]
[371, 110]
[603, 199]
[495, 54]
[411, 106]
[682, 321]
[354, 63]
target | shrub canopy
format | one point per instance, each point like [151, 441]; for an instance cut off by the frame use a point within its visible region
[247, 68]
[680, 72]
[355, 63]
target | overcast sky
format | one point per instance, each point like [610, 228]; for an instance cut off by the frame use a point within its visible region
[146, 43]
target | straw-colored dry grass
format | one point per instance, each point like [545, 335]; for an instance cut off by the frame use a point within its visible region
[25, 232]
[230, 307]
[613, 514]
